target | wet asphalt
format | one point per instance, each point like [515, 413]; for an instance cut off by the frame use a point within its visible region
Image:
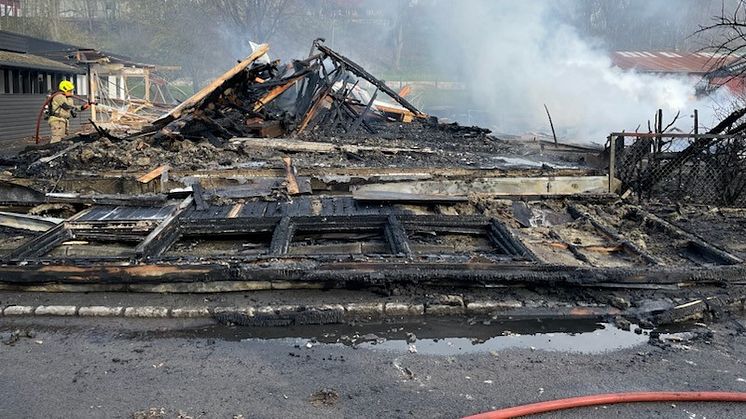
[119, 368]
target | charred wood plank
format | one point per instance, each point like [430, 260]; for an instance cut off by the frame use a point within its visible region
[28, 222]
[43, 244]
[360, 119]
[163, 236]
[396, 237]
[282, 237]
[577, 213]
[117, 200]
[290, 176]
[505, 240]
[199, 198]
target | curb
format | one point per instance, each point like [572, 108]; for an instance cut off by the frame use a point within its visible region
[312, 314]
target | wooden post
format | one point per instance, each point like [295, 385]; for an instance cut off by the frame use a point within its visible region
[659, 129]
[612, 161]
[92, 85]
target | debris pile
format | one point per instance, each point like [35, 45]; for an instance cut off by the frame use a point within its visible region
[321, 94]
[324, 98]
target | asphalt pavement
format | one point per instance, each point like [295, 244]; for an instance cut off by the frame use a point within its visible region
[125, 368]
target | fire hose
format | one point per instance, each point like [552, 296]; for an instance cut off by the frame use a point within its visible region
[612, 398]
[46, 103]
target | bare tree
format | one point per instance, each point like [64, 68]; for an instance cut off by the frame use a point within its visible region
[260, 18]
[726, 37]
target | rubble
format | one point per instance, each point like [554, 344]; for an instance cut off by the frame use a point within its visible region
[291, 177]
[321, 99]
[319, 94]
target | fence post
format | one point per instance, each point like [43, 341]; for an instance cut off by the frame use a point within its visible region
[612, 161]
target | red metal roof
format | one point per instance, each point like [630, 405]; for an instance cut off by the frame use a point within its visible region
[669, 62]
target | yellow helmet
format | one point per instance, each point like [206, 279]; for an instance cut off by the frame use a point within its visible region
[66, 86]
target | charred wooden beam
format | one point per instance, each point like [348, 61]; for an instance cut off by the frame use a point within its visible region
[28, 222]
[701, 245]
[577, 213]
[361, 72]
[377, 273]
[42, 244]
[107, 273]
[276, 92]
[323, 93]
[396, 237]
[505, 240]
[360, 119]
[282, 237]
[163, 236]
[199, 198]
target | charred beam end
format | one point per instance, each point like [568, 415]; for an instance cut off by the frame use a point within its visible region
[504, 240]
[396, 237]
[199, 198]
[163, 236]
[282, 237]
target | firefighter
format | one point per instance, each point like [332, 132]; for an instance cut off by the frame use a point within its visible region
[61, 109]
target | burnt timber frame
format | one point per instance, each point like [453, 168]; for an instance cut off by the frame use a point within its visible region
[511, 263]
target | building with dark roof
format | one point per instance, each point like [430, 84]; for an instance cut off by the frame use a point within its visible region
[25, 81]
[31, 68]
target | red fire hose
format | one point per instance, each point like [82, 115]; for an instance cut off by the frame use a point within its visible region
[613, 398]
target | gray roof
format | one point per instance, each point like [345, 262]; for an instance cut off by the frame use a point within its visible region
[18, 60]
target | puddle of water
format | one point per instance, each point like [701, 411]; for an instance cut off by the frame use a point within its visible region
[607, 338]
[449, 337]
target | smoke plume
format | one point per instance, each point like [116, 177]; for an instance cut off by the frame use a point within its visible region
[518, 56]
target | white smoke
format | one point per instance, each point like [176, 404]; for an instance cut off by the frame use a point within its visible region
[519, 55]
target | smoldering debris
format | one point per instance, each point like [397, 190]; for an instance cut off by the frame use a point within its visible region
[322, 98]
[319, 95]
